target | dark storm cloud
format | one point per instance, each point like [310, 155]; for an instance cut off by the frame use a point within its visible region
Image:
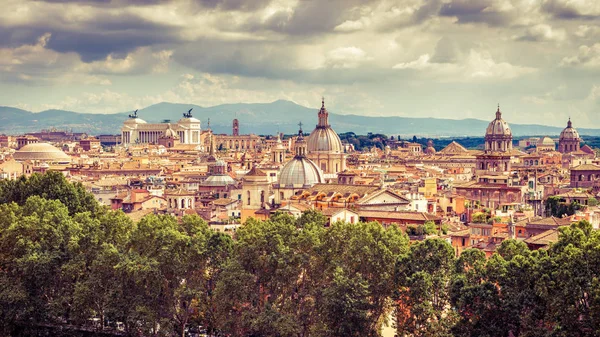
[311, 17]
[265, 60]
[108, 2]
[92, 46]
[561, 9]
[446, 50]
[17, 36]
[468, 11]
[239, 5]
[252, 59]
[428, 9]
[95, 39]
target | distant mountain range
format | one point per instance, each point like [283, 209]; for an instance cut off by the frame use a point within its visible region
[260, 118]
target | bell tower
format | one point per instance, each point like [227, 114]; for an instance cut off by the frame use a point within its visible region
[236, 127]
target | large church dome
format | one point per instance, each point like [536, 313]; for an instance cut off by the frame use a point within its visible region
[498, 127]
[41, 152]
[324, 138]
[300, 171]
[569, 133]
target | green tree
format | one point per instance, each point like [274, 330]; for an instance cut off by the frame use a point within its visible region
[52, 186]
[423, 279]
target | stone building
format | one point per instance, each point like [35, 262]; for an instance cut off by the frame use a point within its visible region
[584, 175]
[136, 131]
[256, 190]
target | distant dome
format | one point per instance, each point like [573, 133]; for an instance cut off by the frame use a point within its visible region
[170, 133]
[300, 171]
[569, 133]
[42, 152]
[219, 180]
[498, 127]
[547, 141]
[498, 137]
[430, 149]
[323, 138]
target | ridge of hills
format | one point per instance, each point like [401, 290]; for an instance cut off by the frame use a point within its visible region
[260, 118]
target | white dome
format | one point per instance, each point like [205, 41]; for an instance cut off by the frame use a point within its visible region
[569, 133]
[170, 133]
[498, 127]
[324, 139]
[300, 171]
[219, 180]
[547, 141]
[41, 151]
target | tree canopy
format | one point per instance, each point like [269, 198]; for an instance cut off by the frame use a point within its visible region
[66, 265]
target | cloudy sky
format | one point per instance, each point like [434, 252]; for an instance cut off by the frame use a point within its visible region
[540, 59]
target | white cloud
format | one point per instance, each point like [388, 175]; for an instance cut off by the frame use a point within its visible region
[346, 57]
[586, 31]
[477, 65]
[542, 32]
[588, 57]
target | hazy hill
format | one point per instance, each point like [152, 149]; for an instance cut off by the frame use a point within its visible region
[259, 118]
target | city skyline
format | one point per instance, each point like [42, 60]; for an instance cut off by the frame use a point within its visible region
[444, 59]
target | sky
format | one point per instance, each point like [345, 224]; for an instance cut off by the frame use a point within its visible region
[538, 59]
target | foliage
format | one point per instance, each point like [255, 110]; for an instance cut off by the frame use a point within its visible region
[480, 217]
[365, 142]
[428, 228]
[52, 186]
[555, 207]
[62, 265]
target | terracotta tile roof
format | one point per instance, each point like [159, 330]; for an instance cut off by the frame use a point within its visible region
[255, 172]
[454, 148]
[371, 196]
[224, 201]
[406, 215]
[361, 190]
[544, 238]
[334, 210]
[586, 167]
[551, 221]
